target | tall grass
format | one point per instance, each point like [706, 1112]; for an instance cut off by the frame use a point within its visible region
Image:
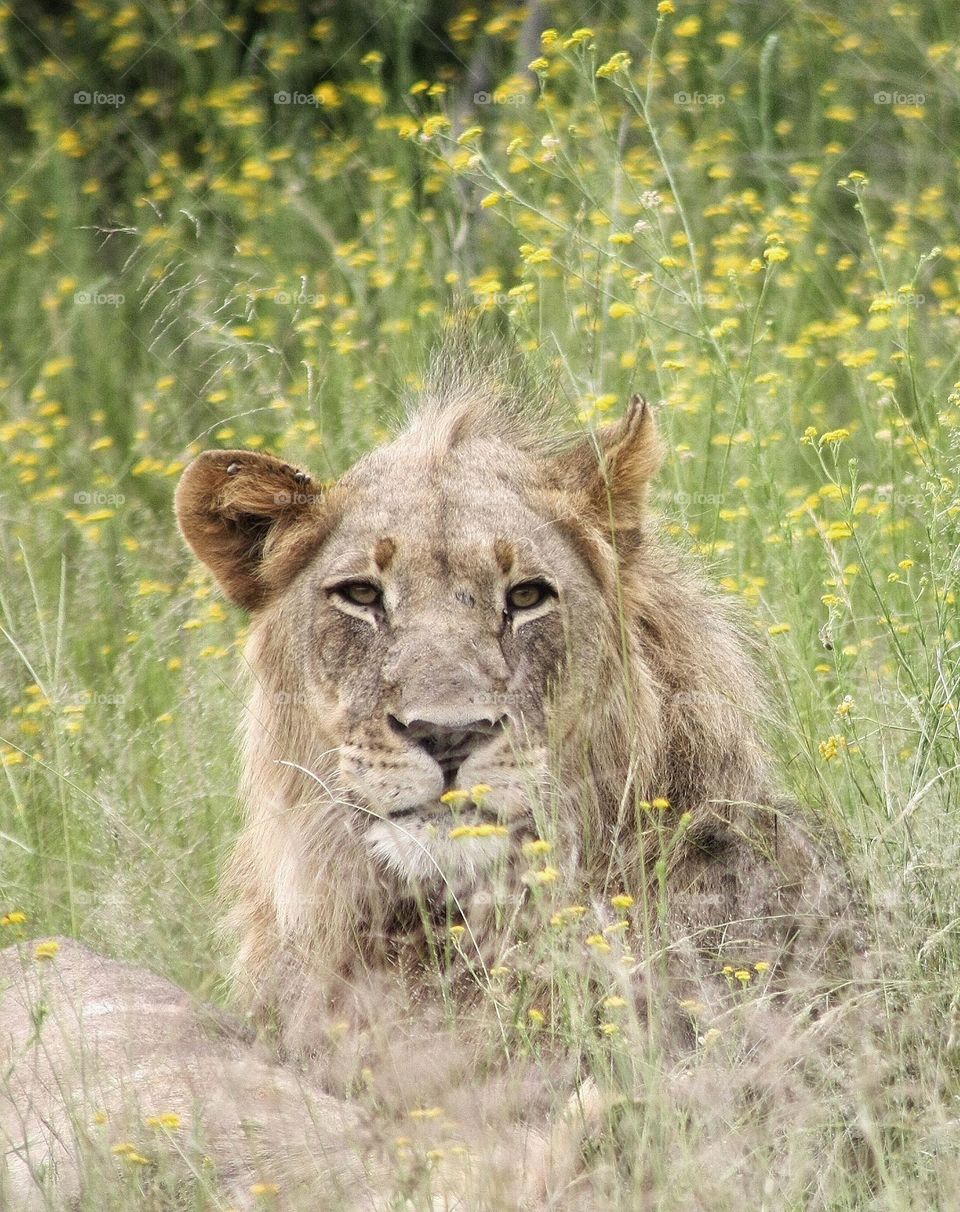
[747, 212]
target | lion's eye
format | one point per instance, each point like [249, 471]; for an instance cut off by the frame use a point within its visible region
[527, 595]
[361, 593]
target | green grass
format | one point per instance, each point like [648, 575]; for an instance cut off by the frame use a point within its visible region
[777, 268]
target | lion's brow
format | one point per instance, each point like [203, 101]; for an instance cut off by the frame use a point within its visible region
[383, 552]
[504, 554]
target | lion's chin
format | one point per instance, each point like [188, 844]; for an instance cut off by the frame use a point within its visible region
[417, 847]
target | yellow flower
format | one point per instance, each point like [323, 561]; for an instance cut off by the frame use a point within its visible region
[537, 846]
[328, 95]
[16, 918]
[689, 27]
[169, 1120]
[56, 366]
[743, 975]
[620, 62]
[262, 1189]
[832, 747]
[778, 629]
[434, 125]
[666, 7]
[47, 950]
[775, 253]
[256, 170]
[455, 796]
[578, 37]
[70, 144]
[622, 900]
[761, 966]
[536, 1016]
[834, 437]
[490, 200]
[618, 311]
[478, 831]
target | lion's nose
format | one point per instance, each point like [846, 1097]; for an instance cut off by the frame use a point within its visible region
[449, 744]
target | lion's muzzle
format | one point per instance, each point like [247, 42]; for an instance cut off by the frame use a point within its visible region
[449, 744]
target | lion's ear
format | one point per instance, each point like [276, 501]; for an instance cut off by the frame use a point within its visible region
[609, 471]
[252, 519]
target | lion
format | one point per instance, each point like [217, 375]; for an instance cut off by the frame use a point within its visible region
[476, 642]
[487, 697]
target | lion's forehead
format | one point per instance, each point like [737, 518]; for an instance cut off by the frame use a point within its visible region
[474, 514]
[446, 535]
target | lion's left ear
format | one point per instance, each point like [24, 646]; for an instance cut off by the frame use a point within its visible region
[254, 521]
[608, 472]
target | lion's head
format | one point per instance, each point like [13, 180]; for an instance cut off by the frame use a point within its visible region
[479, 608]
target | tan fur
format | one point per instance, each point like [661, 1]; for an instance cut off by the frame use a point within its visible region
[632, 685]
[93, 1053]
[91, 1049]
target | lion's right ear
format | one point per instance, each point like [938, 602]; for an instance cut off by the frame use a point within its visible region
[253, 520]
[607, 474]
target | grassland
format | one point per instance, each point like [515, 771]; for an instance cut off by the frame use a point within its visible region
[244, 226]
